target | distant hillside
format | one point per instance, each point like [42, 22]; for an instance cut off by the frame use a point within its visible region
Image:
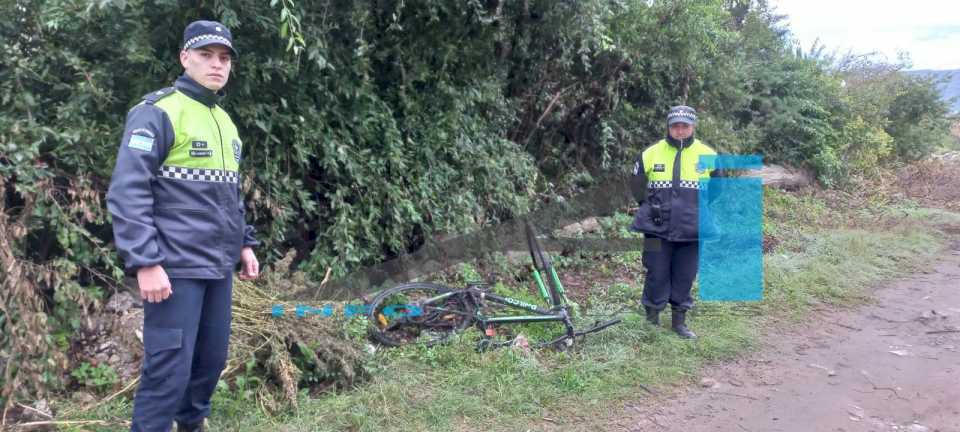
[948, 89]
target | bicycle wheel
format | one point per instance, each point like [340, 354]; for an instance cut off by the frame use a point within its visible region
[419, 313]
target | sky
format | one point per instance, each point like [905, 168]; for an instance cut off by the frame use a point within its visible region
[929, 30]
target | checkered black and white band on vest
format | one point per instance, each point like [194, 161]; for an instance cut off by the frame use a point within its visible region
[667, 184]
[199, 174]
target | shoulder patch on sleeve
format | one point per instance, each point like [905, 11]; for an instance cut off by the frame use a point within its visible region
[152, 97]
[140, 142]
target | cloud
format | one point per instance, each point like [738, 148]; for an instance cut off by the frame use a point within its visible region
[925, 29]
[939, 32]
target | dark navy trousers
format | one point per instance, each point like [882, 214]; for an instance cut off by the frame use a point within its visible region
[185, 340]
[671, 269]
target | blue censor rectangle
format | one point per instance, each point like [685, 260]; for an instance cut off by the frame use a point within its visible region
[731, 237]
[738, 162]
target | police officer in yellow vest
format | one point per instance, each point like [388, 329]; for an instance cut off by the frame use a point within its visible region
[179, 226]
[666, 182]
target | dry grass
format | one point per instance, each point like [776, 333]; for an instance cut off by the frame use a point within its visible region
[283, 350]
[273, 357]
[933, 183]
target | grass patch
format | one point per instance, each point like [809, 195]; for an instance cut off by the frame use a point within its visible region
[452, 387]
[838, 266]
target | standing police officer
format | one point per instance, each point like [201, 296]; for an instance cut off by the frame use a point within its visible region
[666, 181]
[178, 223]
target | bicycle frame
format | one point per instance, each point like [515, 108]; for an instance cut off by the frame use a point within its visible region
[553, 295]
[544, 315]
[542, 263]
[473, 299]
[478, 297]
[558, 314]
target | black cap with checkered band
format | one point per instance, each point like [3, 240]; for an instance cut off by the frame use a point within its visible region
[682, 114]
[203, 33]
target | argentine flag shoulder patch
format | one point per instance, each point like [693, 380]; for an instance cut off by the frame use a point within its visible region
[142, 143]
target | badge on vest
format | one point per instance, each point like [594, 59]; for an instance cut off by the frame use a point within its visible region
[141, 143]
[142, 131]
[236, 149]
[201, 153]
[659, 167]
[199, 144]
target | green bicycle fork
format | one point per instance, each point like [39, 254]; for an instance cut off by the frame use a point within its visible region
[543, 287]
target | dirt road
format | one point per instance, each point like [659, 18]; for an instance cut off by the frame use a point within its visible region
[892, 366]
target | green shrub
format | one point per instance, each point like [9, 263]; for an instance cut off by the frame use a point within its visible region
[99, 378]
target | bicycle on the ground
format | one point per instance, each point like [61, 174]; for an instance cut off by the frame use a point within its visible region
[429, 313]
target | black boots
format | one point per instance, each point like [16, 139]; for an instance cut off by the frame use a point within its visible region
[679, 325]
[198, 427]
[653, 316]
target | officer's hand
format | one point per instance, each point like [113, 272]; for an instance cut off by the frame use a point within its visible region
[250, 267]
[154, 284]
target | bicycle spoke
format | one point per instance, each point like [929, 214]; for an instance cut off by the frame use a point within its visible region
[431, 323]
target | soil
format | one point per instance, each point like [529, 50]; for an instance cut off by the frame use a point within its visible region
[933, 183]
[893, 365]
[113, 338]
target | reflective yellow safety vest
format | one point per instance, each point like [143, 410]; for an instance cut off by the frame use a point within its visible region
[175, 197]
[673, 175]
